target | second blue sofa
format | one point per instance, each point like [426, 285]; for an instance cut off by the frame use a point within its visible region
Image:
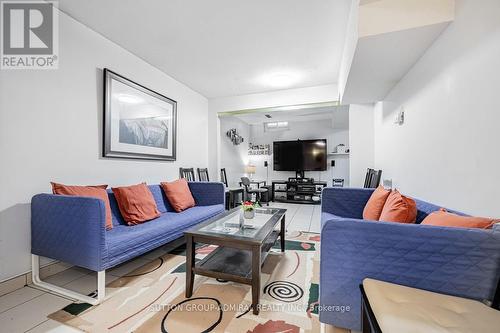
[454, 261]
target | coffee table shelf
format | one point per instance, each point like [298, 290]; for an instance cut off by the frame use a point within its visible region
[234, 263]
[229, 261]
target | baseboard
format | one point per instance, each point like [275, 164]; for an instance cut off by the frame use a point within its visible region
[22, 280]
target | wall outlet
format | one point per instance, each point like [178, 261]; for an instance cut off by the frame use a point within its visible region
[387, 183]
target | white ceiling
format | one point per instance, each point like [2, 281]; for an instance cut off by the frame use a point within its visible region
[225, 47]
[338, 115]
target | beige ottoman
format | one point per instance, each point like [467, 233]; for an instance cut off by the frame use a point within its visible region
[399, 309]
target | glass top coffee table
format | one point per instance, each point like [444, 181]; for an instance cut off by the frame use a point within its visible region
[241, 250]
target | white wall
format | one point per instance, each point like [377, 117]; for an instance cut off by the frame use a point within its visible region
[447, 151]
[303, 130]
[234, 157]
[318, 94]
[50, 130]
[361, 132]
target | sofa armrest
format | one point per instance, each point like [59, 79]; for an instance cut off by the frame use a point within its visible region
[207, 193]
[454, 261]
[70, 229]
[345, 202]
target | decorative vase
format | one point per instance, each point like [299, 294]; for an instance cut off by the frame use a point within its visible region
[249, 214]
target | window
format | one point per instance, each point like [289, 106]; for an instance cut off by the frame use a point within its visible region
[276, 126]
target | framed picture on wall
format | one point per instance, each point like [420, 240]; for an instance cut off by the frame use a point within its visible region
[138, 122]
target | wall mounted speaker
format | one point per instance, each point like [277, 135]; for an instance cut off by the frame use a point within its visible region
[265, 164]
[333, 163]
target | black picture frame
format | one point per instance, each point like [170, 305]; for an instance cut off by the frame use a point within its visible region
[110, 143]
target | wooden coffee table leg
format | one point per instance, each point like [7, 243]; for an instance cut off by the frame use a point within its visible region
[190, 253]
[255, 279]
[282, 234]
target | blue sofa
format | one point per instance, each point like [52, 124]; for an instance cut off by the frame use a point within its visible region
[455, 261]
[72, 229]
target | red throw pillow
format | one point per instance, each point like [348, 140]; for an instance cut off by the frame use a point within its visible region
[136, 203]
[446, 219]
[97, 191]
[178, 194]
[399, 208]
[375, 204]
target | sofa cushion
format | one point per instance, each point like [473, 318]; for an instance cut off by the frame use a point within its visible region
[375, 204]
[116, 216]
[136, 203]
[178, 194]
[97, 191]
[399, 208]
[446, 219]
[159, 196]
[129, 241]
[160, 199]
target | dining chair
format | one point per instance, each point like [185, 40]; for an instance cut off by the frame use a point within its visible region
[203, 174]
[232, 194]
[375, 181]
[223, 176]
[368, 178]
[249, 190]
[187, 173]
[372, 178]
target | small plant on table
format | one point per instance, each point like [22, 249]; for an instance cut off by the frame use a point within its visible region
[249, 209]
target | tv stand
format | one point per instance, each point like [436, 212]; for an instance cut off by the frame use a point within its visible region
[297, 190]
[300, 180]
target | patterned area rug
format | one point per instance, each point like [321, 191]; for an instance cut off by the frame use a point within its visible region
[151, 298]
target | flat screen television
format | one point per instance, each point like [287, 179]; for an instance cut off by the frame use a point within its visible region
[299, 155]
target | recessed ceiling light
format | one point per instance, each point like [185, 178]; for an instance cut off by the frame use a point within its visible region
[280, 79]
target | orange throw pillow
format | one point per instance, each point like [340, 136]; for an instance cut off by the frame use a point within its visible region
[98, 191]
[446, 219]
[399, 208]
[178, 194]
[375, 204]
[136, 203]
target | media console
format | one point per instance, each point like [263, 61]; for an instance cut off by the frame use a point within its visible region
[297, 190]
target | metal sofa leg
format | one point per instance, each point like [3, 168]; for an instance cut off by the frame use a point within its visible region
[101, 285]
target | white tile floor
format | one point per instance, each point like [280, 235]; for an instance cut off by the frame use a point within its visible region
[26, 309]
[301, 217]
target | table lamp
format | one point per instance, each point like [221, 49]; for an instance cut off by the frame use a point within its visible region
[250, 170]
